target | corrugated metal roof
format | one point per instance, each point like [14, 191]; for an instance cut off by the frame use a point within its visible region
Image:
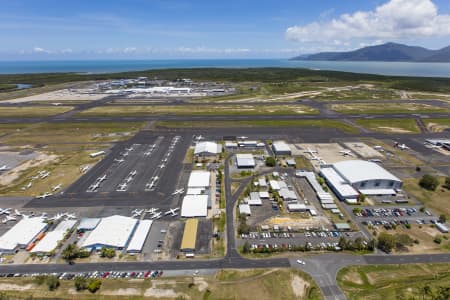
[194, 206]
[139, 236]
[189, 235]
[199, 179]
[207, 147]
[360, 170]
[22, 233]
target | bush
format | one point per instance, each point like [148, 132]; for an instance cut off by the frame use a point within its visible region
[270, 161]
[107, 252]
[447, 183]
[408, 226]
[52, 283]
[442, 219]
[429, 182]
[386, 242]
[94, 285]
[437, 240]
[80, 283]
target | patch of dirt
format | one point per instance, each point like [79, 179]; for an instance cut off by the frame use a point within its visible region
[353, 277]
[200, 283]
[394, 129]
[122, 292]
[433, 127]
[299, 286]
[164, 293]
[15, 287]
[13, 174]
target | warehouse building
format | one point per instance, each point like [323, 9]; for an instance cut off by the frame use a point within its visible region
[111, 232]
[88, 224]
[22, 234]
[281, 148]
[139, 236]
[245, 209]
[245, 161]
[194, 206]
[364, 177]
[199, 179]
[207, 149]
[189, 236]
[50, 241]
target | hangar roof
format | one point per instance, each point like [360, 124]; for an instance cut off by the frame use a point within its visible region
[199, 179]
[360, 170]
[194, 206]
[22, 233]
[207, 147]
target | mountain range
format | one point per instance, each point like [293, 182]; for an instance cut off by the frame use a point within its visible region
[386, 52]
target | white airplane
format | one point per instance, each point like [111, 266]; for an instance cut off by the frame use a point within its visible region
[120, 160]
[56, 187]
[148, 153]
[162, 166]
[122, 187]
[103, 178]
[156, 216]
[199, 137]
[402, 146]
[5, 211]
[35, 177]
[27, 186]
[71, 216]
[93, 187]
[172, 211]
[9, 218]
[180, 191]
[377, 147]
[137, 212]
[125, 154]
[4, 168]
[129, 149]
[43, 196]
[151, 210]
[45, 175]
[133, 173]
[242, 137]
[84, 169]
[346, 153]
[57, 217]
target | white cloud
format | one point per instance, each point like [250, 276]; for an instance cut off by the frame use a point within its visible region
[396, 19]
[40, 50]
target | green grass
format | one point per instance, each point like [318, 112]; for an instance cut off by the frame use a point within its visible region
[7, 87]
[259, 123]
[197, 110]
[386, 108]
[389, 125]
[32, 111]
[392, 281]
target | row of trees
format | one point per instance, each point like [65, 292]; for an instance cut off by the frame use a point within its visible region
[388, 242]
[431, 183]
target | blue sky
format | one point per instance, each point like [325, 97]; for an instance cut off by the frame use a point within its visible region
[157, 29]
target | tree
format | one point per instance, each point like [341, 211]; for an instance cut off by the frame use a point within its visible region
[70, 253]
[246, 247]
[447, 183]
[94, 285]
[429, 182]
[442, 219]
[52, 283]
[270, 161]
[80, 283]
[386, 242]
[361, 197]
[107, 252]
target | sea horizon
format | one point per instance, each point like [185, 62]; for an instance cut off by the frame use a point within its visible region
[99, 66]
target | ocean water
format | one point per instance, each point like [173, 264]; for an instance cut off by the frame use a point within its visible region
[107, 66]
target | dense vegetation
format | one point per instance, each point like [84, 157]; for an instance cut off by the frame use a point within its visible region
[242, 75]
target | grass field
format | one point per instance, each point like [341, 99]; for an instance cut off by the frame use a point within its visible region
[438, 200]
[393, 281]
[437, 125]
[227, 284]
[258, 123]
[389, 125]
[197, 110]
[386, 108]
[51, 133]
[32, 111]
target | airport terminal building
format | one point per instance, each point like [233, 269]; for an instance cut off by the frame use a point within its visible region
[350, 178]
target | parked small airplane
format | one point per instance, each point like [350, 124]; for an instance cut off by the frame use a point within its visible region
[129, 149]
[122, 187]
[151, 210]
[156, 216]
[94, 187]
[133, 173]
[4, 168]
[136, 213]
[180, 191]
[5, 211]
[347, 153]
[120, 160]
[18, 213]
[401, 146]
[172, 211]
[9, 218]
[199, 137]
[56, 187]
[84, 169]
[103, 178]
[43, 196]
[44, 174]
[27, 186]
[242, 137]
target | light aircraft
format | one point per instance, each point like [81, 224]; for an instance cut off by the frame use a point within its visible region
[156, 216]
[120, 160]
[402, 146]
[242, 137]
[136, 213]
[84, 169]
[9, 218]
[45, 174]
[346, 153]
[43, 196]
[5, 211]
[122, 187]
[172, 211]
[162, 166]
[4, 168]
[199, 137]
[27, 186]
[129, 149]
[56, 187]
[18, 213]
[151, 210]
[180, 191]
[35, 177]
[148, 153]
[103, 178]
[93, 187]
[125, 154]
[133, 173]
[377, 147]
[57, 217]
[71, 216]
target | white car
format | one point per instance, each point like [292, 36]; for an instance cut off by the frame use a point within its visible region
[301, 262]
